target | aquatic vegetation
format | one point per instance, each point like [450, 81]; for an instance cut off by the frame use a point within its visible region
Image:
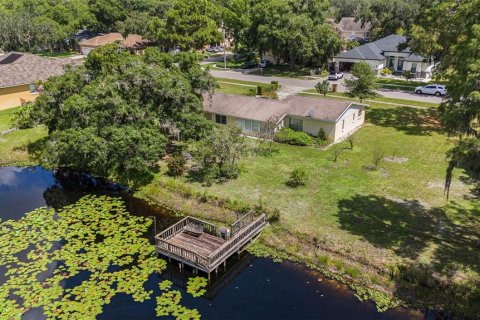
[196, 286]
[168, 304]
[95, 239]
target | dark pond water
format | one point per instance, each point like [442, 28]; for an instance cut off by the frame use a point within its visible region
[250, 288]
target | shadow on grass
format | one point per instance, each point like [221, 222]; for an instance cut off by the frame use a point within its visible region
[442, 247]
[451, 233]
[36, 149]
[414, 121]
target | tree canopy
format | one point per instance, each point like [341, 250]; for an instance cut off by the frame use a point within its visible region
[388, 16]
[450, 31]
[363, 82]
[294, 31]
[186, 24]
[28, 25]
[114, 115]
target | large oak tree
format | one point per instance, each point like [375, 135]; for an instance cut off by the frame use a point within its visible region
[113, 116]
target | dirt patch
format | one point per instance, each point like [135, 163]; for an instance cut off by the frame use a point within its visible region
[395, 159]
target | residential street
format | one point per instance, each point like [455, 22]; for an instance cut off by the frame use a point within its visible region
[292, 85]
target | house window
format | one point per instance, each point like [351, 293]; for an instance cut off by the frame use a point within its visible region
[296, 124]
[250, 125]
[343, 124]
[353, 117]
[414, 67]
[221, 119]
[360, 112]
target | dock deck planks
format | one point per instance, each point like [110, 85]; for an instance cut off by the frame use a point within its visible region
[204, 244]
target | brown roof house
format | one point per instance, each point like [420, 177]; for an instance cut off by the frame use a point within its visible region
[337, 118]
[133, 42]
[351, 29]
[20, 71]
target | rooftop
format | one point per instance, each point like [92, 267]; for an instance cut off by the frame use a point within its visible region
[131, 41]
[262, 109]
[376, 50]
[349, 24]
[17, 68]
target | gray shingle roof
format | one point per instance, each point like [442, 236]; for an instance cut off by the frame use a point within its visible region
[24, 68]
[262, 109]
[375, 50]
[349, 24]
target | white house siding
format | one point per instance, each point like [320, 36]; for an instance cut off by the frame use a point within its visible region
[313, 126]
[348, 123]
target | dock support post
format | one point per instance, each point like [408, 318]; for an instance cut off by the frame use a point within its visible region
[209, 277]
[225, 265]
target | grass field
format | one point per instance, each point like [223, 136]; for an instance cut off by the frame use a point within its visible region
[381, 99]
[393, 218]
[241, 87]
[391, 228]
[14, 145]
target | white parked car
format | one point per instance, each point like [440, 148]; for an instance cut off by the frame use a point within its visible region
[436, 89]
[335, 75]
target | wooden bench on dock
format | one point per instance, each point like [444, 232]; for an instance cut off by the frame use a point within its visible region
[199, 244]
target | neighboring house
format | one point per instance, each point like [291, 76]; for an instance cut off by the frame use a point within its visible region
[133, 42]
[20, 71]
[384, 53]
[351, 29]
[337, 118]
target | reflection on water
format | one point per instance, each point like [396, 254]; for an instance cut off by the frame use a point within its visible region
[22, 189]
[251, 288]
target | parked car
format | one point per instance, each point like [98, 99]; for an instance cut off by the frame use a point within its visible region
[249, 65]
[335, 75]
[436, 89]
[265, 64]
[215, 49]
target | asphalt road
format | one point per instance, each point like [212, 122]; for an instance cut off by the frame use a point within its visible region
[292, 85]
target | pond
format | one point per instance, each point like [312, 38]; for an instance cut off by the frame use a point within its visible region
[250, 288]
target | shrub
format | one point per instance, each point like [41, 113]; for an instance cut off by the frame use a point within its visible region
[386, 72]
[377, 157]
[290, 136]
[259, 90]
[337, 151]
[321, 143]
[176, 165]
[298, 177]
[274, 85]
[269, 91]
[22, 117]
[321, 134]
[408, 75]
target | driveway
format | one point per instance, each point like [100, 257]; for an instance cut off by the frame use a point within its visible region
[295, 85]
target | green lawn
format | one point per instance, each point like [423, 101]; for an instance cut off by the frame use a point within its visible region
[380, 220]
[237, 89]
[14, 145]
[59, 54]
[239, 86]
[5, 116]
[380, 99]
[284, 70]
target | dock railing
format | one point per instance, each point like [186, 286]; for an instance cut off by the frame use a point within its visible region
[236, 242]
[243, 231]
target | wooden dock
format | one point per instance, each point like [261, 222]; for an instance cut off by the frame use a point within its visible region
[202, 245]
